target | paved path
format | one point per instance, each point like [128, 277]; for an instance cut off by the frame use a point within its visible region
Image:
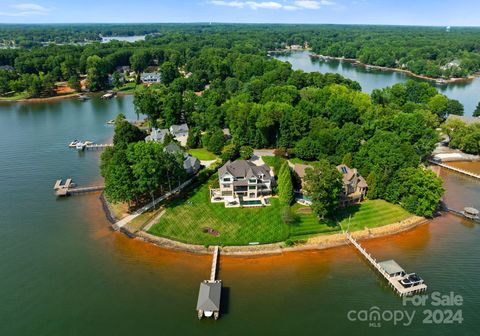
[207, 163]
[121, 223]
[263, 152]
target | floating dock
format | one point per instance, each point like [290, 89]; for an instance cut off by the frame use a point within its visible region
[88, 145]
[69, 188]
[209, 294]
[391, 271]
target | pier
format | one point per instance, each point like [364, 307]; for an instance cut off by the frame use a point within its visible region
[88, 145]
[208, 303]
[458, 170]
[69, 188]
[391, 271]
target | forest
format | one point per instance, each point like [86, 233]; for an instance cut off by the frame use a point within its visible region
[46, 54]
[219, 76]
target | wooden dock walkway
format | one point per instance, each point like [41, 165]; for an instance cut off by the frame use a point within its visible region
[213, 272]
[458, 170]
[98, 146]
[394, 281]
[69, 188]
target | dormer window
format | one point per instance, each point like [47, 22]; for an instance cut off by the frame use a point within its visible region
[227, 179]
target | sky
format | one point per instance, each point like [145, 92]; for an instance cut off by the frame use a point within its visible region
[393, 12]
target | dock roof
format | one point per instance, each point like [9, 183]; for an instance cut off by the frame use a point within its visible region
[209, 296]
[391, 266]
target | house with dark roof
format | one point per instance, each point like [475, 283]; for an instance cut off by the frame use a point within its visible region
[243, 183]
[190, 163]
[354, 186]
[180, 133]
[157, 135]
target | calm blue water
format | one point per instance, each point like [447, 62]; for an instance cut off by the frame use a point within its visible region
[467, 93]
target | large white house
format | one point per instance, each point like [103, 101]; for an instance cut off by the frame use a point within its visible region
[242, 183]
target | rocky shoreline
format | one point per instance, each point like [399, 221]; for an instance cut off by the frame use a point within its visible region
[316, 243]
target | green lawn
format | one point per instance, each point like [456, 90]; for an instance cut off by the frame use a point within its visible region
[202, 154]
[371, 214]
[300, 161]
[307, 224]
[16, 96]
[127, 88]
[185, 220]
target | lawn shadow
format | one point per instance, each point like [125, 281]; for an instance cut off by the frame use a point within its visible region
[346, 212]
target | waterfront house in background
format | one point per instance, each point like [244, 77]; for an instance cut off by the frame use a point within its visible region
[180, 133]
[354, 185]
[242, 183]
[157, 135]
[190, 163]
[150, 77]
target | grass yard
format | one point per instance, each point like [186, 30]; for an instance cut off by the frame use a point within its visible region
[185, 220]
[127, 88]
[370, 214]
[307, 224]
[202, 154]
[300, 161]
[15, 96]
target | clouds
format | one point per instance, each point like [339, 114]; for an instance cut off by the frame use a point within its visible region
[25, 9]
[290, 5]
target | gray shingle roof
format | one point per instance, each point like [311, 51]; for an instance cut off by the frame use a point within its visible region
[245, 169]
[172, 148]
[157, 135]
[175, 129]
[191, 163]
[209, 296]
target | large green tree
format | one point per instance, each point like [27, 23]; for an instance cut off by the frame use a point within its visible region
[323, 185]
[418, 190]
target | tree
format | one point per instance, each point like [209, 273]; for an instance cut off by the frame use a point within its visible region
[169, 72]
[140, 60]
[216, 141]
[323, 185]
[476, 113]
[148, 102]
[74, 83]
[120, 183]
[471, 142]
[194, 136]
[454, 107]
[97, 75]
[229, 152]
[417, 190]
[246, 152]
[117, 80]
[285, 186]
[126, 133]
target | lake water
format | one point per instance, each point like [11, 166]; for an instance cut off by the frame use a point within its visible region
[467, 93]
[133, 38]
[64, 272]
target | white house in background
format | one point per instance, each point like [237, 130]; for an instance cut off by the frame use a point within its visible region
[150, 77]
[180, 133]
[190, 163]
[157, 135]
[242, 183]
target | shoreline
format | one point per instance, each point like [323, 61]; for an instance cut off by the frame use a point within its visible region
[55, 98]
[317, 243]
[437, 80]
